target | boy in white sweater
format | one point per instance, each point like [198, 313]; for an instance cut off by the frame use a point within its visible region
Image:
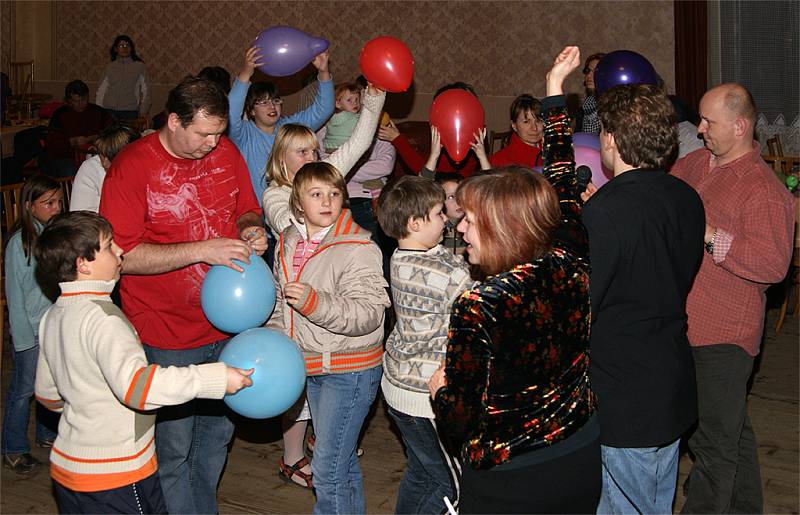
[93, 370]
[426, 278]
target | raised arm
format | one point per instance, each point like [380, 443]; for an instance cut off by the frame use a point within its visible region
[559, 156]
[349, 153]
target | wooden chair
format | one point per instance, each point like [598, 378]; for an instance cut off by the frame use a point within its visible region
[66, 187]
[783, 164]
[504, 137]
[21, 83]
[792, 279]
[774, 146]
[12, 197]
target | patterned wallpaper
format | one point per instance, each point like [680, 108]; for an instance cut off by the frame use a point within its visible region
[6, 34]
[502, 48]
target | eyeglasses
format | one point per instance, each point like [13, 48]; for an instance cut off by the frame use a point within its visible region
[273, 101]
[587, 70]
[123, 45]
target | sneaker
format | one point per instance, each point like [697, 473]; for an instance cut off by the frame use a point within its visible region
[44, 444]
[23, 464]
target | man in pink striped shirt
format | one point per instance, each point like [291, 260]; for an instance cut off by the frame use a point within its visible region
[748, 242]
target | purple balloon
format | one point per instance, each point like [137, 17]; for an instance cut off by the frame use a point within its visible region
[591, 158]
[286, 50]
[586, 139]
[623, 67]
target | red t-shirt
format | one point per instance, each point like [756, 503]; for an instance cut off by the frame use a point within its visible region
[150, 196]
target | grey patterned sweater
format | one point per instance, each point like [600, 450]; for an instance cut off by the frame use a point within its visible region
[424, 286]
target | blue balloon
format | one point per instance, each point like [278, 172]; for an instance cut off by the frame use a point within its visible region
[236, 301]
[586, 139]
[279, 376]
[286, 50]
[623, 67]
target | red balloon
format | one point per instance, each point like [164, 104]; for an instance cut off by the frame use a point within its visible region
[458, 115]
[387, 63]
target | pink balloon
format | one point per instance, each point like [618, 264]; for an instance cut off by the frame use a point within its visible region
[591, 158]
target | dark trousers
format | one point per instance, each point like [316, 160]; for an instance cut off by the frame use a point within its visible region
[431, 474]
[725, 477]
[144, 496]
[566, 484]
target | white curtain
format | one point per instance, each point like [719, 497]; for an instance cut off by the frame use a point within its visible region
[757, 44]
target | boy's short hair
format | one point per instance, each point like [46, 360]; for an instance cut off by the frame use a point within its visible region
[64, 239]
[410, 197]
[642, 120]
[113, 138]
[77, 88]
[443, 177]
[320, 171]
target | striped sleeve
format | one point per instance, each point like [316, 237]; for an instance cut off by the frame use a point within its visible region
[140, 387]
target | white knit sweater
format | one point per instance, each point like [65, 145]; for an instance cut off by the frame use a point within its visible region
[92, 368]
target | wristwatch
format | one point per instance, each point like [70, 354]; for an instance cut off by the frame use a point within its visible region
[709, 245]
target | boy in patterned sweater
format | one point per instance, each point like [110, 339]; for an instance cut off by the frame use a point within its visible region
[425, 278]
[93, 370]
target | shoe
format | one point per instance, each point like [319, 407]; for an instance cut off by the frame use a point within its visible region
[288, 474]
[23, 464]
[44, 444]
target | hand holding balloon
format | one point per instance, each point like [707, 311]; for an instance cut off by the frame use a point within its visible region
[479, 149]
[287, 50]
[457, 114]
[321, 62]
[388, 63]
[256, 237]
[252, 60]
[238, 379]
[565, 63]
[222, 251]
[436, 149]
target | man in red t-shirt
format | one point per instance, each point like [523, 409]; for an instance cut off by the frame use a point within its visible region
[180, 200]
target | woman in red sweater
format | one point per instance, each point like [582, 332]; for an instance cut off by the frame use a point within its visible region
[526, 140]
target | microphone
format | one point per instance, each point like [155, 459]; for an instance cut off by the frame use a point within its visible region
[584, 176]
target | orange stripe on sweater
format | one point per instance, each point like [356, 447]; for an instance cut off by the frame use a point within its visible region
[104, 460]
[132, 386]
[73, 294]
[55, 402]
[147, 387]
[96, 482]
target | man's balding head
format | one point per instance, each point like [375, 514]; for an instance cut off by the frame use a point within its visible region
[728, 117]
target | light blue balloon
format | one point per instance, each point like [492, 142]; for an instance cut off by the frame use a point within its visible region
[236, 301]
[279, 376]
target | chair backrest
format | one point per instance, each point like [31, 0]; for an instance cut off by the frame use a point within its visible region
[782, 164]
[504, 137]
[66, 187]
[774, 146]
[12, 199]
[21, 78]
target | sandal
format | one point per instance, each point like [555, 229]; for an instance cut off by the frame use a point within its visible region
[288, 473]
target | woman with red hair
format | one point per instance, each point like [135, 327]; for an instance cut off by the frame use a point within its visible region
[513, 397]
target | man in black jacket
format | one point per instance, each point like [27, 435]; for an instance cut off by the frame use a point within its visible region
[646, 241]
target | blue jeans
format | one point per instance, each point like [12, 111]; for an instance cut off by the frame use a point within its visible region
[18, 406]
[430, 473]
[191, 439]
[339, 404]
[639, 480]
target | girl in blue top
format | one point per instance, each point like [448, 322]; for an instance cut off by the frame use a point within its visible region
[255, 113]
[41, 199]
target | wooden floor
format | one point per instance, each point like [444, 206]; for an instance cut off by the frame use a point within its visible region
[250, 483]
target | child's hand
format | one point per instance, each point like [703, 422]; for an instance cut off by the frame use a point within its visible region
[437, 381]
[389, 132]
[477, 146]
[256, 236]
[436, 149]
[565, 63]
[321, 63]
[295, 291]
[588, 192]
[238, 379]
[373, 90]
[252, 59]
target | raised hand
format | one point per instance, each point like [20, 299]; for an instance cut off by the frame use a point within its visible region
[322, 62]
[252, 59]
[477, 146]
[256, 237]
[565, 63]
[388, 132]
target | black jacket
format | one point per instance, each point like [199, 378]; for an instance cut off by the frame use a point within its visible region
[646, 233]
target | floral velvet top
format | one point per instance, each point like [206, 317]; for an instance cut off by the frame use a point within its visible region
[517, 364]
